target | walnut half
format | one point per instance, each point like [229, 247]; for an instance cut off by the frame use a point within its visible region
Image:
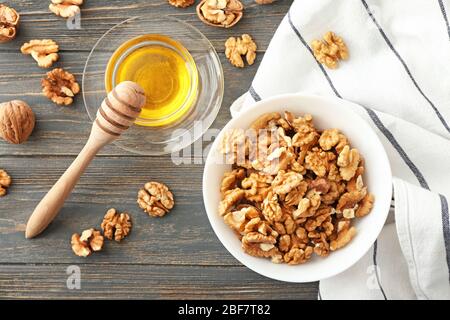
[60, 86]
[235, 48]
[65, 8]
[155, 199]
[330, 50]
[181, 3]
[116, 225]
[43, 51]
[90, 240]
[5, 182]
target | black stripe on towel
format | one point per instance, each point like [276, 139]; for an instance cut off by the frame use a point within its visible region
[319, 295]
[399, 149]
[446, 228]
[253, 93]
[388, 42]
[375, 247]
[444, 15]
[371, 113]
[312, 53]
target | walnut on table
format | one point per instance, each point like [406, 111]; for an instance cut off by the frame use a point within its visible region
[17, 121]
[65, 8]
[155, 199]
[5, 182]
[90, 241]
[45, 52]
[220, 13]
[9, 23]
[116, 225]
[60, 86]
[330, 50]
[235, 48]
[181, 3]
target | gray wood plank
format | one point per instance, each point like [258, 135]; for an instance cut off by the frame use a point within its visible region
[184, 236]
[146, 282]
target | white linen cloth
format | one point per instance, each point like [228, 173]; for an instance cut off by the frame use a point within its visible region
[399, 72]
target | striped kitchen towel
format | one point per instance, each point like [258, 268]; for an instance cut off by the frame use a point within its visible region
[399, 72]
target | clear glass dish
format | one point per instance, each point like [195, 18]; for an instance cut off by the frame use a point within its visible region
[163, 139]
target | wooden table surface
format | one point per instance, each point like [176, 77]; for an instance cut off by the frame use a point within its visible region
[178, 256]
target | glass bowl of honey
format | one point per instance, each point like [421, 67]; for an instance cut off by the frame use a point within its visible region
[177, 67]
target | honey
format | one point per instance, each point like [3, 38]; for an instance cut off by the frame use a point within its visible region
[164, 69]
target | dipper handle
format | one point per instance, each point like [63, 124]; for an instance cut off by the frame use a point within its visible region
[116, 114]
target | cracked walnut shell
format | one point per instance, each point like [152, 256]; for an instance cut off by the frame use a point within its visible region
[116, 225]
[43, 51]
[235, 48]
[90, 240]
[330, 50]
[181, 3]
[60, 86]
[17, 121]
[9, 22]
[220, 13]
[5, 182]
[155, 199]
[65, 8]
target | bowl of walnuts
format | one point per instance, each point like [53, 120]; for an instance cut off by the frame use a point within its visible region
[298, 187]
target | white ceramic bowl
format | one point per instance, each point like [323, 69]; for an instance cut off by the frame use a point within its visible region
[327, 113]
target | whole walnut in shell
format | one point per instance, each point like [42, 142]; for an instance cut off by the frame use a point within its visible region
[16, 121]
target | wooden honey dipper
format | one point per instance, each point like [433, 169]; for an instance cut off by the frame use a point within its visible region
[116, 114]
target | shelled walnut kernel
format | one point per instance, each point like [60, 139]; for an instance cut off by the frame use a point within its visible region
[45, 52]
[5, 182]
[330, 50]
[293, 190]
[65, 8]
[60, 86]
[90, 240]
[155, 199]
[235, 48]
[116, 225]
